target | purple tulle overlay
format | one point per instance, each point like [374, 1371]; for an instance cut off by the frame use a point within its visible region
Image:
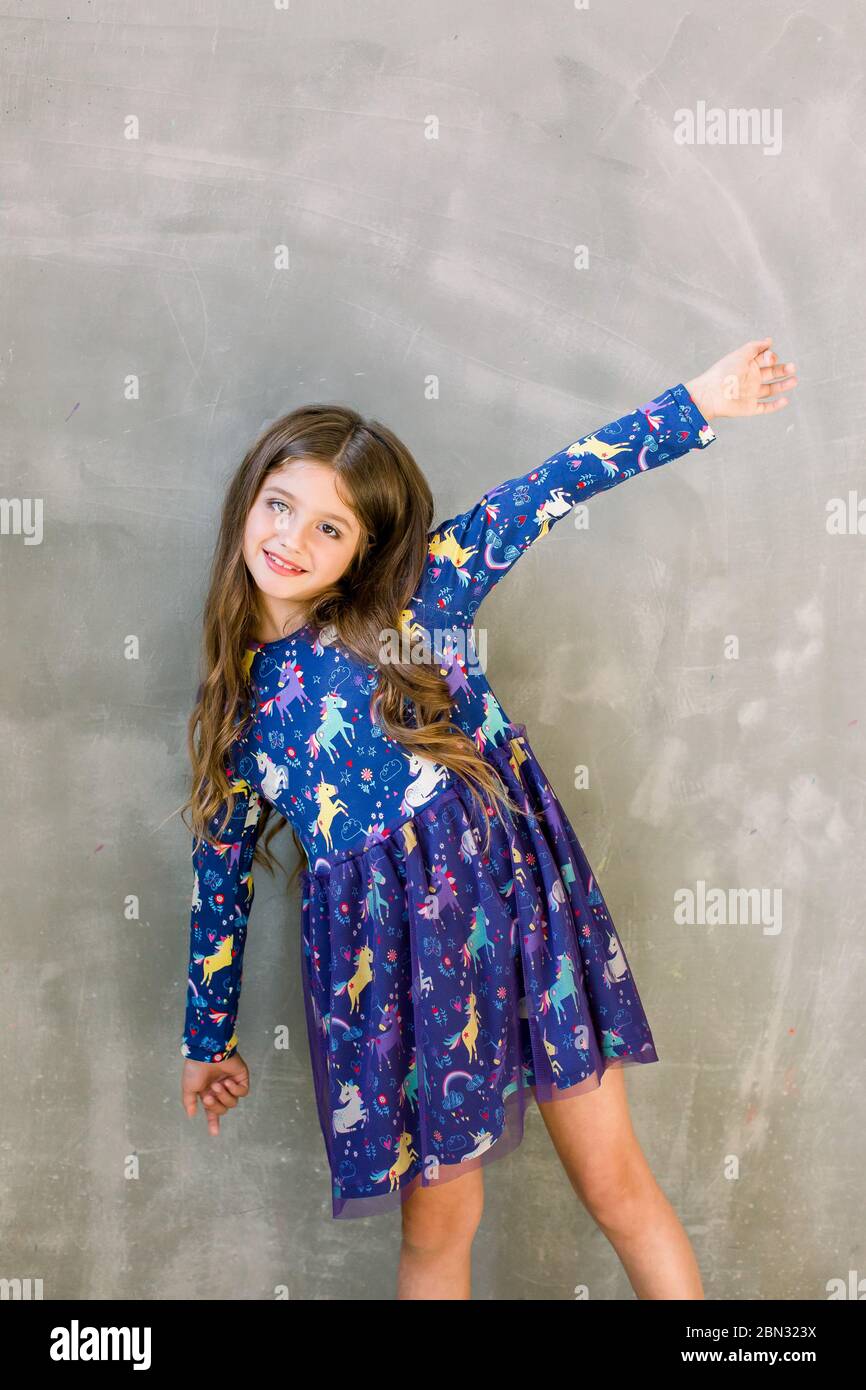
[446, 986]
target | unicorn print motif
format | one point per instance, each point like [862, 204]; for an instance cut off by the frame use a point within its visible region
[254, 811]
[329, 807]
[551, 509]
[551, 1050]
[332, 723]
[470, 843]
[429, 777]
[374, 903]
[274, 779]
[494, 722]
[388, 1037]
[469, 1033]
[483, 1141]
[440, 897]
[290, 689]
[564, 988]
[615, 967]
[220, 958]
[362, 977]
[600, 449]
[477, 940]
[354, 1111]
[445, 547]
[405, 1156]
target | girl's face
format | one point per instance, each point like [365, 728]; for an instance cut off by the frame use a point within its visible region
[297, 520]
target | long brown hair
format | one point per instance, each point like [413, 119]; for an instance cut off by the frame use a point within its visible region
[379, 479]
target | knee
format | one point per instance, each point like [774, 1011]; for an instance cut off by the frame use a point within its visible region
[437, 1219]
[615, 1196]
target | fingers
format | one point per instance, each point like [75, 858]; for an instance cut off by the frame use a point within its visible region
[764, 402]
[220, 1097]
[237, 1084]
[213, 1109]
[217, 1104]
[777, 386]
[217, 1096]
[771, 369]
[776, 378]
[228, 1097]
[189, 1099]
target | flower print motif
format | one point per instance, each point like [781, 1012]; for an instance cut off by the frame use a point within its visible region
[366, 774]
[447, 968]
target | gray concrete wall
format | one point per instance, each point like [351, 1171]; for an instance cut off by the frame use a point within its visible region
[152, 259]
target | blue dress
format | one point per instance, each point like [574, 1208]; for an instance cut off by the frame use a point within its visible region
[442, 985]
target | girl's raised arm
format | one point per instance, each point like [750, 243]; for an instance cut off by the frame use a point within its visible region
[471, 552]
[221, 901]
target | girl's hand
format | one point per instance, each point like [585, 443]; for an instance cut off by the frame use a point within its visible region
[743, 383]
[219, 1084]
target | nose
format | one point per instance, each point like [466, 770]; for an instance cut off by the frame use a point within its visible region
[283, 532]
[283, 527]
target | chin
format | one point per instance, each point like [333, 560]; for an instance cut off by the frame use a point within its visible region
[275, 583]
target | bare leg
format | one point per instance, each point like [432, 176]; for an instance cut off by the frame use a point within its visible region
[593, 1137]
[439, 1225]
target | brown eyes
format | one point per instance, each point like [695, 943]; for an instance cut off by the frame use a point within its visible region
[278, 502]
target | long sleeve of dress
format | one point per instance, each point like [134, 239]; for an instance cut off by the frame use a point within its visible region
[221, 900]
[471, 552]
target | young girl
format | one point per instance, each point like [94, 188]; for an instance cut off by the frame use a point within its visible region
[456, 950]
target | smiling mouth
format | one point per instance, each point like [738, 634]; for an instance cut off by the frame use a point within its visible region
[283, 564]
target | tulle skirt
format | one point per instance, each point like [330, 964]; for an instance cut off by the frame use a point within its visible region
[445, 987]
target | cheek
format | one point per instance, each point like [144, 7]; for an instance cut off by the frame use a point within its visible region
[346, 556]
[325, 555]
[254, 532]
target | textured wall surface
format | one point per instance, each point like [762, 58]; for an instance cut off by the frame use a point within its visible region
[432, 171]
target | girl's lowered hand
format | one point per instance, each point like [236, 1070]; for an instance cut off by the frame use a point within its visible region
[220, 1085]
[749, 381]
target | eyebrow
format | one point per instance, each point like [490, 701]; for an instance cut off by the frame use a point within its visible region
[326, 516]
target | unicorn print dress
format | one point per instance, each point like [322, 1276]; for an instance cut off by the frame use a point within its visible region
[443, 986]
